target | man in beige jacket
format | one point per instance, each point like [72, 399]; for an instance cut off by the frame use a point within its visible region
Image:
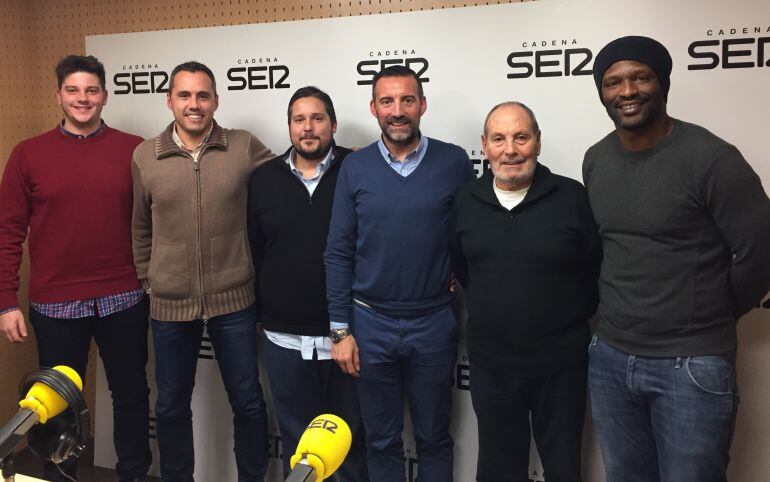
[192, 256]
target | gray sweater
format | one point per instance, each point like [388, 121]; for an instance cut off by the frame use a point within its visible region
[685, 228]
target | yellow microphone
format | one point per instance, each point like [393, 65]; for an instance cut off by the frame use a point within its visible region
[39, 404]
[321, 449]
[44, 401]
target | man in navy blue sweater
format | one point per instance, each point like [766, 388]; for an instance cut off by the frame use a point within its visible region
[387, 276]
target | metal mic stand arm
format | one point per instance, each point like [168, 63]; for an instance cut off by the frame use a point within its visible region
[7, 468]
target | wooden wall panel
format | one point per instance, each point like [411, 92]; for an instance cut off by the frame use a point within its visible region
[37, 33]
[17, 122]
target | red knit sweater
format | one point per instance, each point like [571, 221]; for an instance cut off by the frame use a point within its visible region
[75, 197]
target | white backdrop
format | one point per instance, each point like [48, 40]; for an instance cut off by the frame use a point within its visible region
[470, 59]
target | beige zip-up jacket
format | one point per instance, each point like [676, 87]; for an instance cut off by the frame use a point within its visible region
[190, 243]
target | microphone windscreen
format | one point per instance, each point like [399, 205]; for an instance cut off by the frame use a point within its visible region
[44, 400]
[324, 445]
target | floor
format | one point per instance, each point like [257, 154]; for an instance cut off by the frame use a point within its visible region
[27, 463]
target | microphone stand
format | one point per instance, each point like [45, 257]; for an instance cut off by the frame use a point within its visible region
[301, 473]
[7, 468]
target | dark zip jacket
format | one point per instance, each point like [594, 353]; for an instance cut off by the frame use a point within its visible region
[530, 274]
[287, 232]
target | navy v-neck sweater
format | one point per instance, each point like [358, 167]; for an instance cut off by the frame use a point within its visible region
[387, 244]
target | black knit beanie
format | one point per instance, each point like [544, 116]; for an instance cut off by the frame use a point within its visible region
[640, 49]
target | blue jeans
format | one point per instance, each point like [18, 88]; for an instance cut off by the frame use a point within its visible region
[417, 356]
[662, 419]
[304, 389]
[234, 338]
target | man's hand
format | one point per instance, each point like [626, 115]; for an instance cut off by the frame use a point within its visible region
[452, 283]
[13, 327]
[345, 353]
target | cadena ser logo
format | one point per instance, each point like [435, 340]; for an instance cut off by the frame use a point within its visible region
[411, 467]
[738, 47]
[258, 73]
[206, 350]
[274, 445]
[380, 59]
[145, 78]
[479, 160]
[463, 375]
[549, 58]
[324, 424]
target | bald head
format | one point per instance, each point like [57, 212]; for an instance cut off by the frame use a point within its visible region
[512, 103]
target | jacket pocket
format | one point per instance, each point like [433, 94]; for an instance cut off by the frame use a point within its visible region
[168, 273]
[230, 262]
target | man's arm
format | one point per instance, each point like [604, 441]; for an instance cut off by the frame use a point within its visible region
[459, 263]
[141, 227]
[739, 206]
[256, 236]
[339, 259]
[259, 152]
[592, 251]
[469, 173]
[16, 202]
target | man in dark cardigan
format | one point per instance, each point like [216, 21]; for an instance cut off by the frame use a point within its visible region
[526, 249]
[290, 201]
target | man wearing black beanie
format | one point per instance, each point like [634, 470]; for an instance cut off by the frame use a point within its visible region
[685, 225]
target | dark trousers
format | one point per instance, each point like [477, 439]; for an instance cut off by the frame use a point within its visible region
[176, 343]
[417, 356]
[503, 404]
[304, 389]
[122, 341]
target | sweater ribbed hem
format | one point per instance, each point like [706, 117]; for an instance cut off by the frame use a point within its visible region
[72, 290]
[190, 309]
[718, 339]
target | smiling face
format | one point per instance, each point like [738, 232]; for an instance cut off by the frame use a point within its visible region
[81, 98]
[193, 101]
[310, 128]
[632, 95]
[397, 105]
[512, 147]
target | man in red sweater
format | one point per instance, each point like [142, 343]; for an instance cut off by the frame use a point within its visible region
[71, 187]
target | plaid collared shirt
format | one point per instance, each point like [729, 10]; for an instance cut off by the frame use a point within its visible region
[95, 133]
[101, 306]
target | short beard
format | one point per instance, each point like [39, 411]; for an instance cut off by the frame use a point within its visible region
[517, 182]
[315, 154]
[401, 139]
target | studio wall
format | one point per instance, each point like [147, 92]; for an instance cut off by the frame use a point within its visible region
[37, 33]
[540, 53]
